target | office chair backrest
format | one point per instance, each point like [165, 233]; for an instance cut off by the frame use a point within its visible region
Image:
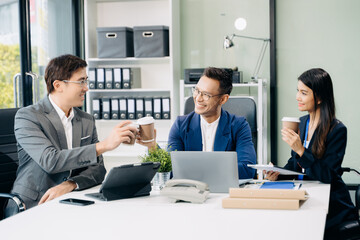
[240, 106]
[8, 152]
[350, 230]
[354, 188]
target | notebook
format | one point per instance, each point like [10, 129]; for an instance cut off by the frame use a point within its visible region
[218, 169]
[278, 185]
[127, 181]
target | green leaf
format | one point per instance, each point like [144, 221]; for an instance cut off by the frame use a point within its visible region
[161, 156]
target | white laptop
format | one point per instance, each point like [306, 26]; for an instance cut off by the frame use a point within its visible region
[218, 169]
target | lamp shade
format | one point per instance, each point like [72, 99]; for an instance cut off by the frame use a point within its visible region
[228, 43]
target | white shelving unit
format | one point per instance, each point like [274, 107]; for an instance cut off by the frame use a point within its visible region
[261, 107]
[159, 76]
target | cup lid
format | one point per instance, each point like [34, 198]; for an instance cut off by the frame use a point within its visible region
[135, 124]
[145, 120]
[290, 119]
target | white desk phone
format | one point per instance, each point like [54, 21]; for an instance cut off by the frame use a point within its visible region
[186, 190]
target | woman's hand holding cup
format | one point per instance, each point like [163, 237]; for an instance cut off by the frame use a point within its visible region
[290, 134]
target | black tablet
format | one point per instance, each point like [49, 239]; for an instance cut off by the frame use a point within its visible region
[126, 181]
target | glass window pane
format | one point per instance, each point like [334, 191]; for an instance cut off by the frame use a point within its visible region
[51, 35]
[9, 51]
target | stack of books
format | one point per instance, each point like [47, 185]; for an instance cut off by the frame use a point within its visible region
[264, 198]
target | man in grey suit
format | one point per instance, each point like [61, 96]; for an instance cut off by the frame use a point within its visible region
[58, 146]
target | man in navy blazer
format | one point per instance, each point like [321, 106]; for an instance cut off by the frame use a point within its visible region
[209, 127]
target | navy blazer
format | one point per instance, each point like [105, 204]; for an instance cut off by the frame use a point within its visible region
[233, 134]
[327, 170]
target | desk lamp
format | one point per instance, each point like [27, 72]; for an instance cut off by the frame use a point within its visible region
[240, 24]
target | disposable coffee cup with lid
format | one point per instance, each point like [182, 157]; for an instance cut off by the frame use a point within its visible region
[291, 122]
[146, 128]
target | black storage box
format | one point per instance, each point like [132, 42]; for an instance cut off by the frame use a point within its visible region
[115, 42]
[151, 41]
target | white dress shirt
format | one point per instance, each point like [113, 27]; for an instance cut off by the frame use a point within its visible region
[66, 122]
[208, 132]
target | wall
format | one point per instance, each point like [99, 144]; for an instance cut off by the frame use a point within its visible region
[321, 33]
[205, 23]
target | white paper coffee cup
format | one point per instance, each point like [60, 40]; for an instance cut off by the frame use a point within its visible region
[146, 128]
[291, 122]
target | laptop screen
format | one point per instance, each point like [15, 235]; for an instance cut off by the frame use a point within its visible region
[218, 169]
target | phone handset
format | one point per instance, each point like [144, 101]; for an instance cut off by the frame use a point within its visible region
[187, 183]
[186, 190]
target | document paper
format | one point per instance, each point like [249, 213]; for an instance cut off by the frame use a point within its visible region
[282, 171]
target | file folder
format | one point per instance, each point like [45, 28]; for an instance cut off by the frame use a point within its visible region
[92, 78]
[148, 102]
[114, 108]
[100, 75]
[108, 78]
[135, 77]
[96, 110]
[131, 108]
[139, 108]
[117, 78]
[165, 108]
[126, 78]
[123, 108]
[105, 108]
[157, 108]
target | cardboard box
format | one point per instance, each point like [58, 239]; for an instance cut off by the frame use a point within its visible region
[249, 198]
[268, 193]
[261, 203]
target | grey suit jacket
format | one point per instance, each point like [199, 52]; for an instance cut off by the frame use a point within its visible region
[45, 161]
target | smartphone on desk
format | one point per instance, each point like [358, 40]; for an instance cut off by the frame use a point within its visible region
[75, 201]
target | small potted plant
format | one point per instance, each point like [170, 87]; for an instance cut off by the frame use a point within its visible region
[163, 174]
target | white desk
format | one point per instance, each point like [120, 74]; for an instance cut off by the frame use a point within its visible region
[154, 217]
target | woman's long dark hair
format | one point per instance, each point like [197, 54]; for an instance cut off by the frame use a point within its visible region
[319, 81]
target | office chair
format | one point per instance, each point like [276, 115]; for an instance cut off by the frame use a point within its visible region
[240, 106]
[8, 159]
[350, 230]
[353, 187]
